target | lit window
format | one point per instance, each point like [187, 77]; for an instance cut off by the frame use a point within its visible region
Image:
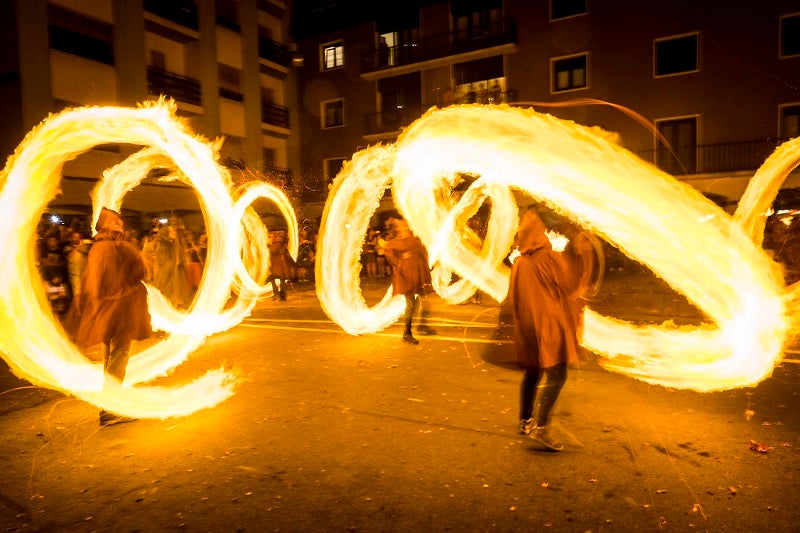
[333, 113]
[560, 9]
[332, 55]
[790, 35]
[569, 73]
[676, 55]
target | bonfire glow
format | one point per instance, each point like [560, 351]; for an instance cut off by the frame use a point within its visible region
[697, 248]
[33, 344]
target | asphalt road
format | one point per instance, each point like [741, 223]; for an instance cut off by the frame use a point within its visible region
[332, 432]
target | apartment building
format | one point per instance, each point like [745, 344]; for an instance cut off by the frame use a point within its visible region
[718, 81]
[226, 63]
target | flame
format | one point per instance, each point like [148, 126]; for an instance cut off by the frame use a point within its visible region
[32, 343]
[698, 249]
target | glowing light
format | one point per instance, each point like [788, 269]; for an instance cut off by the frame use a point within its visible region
[34, 345]
[687, 240]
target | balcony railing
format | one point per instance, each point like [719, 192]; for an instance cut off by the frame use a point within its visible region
[183, 12]
[274, 114]
[178, 87]
[442, 45]
[709, 158]
[375, 123]
[274, 51]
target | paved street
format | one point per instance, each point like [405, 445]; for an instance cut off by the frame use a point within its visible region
[332, 432]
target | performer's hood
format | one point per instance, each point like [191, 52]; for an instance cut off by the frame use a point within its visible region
[531, 234]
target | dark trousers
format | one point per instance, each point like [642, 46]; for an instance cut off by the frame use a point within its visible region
[115, 357]
[543, 385]
[278, 287]
[414, 302]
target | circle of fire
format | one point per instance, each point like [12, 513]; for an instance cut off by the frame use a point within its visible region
[700, 250]
[37, 350]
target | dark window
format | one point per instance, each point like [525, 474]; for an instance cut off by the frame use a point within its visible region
[79, 35]
[560, 9]
[790, 122]
[676, 55]
[332, 168]
[158, 60]
[678, 155]
[569, 73]
[790, 35]
[333, 113]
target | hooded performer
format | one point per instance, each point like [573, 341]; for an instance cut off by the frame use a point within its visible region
[545, 291]
[409, 260]
[112, 306]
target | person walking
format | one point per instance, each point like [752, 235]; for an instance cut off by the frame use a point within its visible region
[412, 276]
[545, 290]
[281, 264]
[170, 276]
[112, 306]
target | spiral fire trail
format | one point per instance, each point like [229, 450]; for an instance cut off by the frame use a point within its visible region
[32, 343]
[684, 238]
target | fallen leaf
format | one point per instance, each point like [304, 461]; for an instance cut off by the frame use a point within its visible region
[759, 447]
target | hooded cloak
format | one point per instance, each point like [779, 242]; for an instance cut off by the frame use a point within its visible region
[112, 305]
[544, 293]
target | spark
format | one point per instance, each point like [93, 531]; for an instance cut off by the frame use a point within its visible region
[35, 346]
[684, 238]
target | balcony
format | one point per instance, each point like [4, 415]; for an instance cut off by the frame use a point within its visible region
[712, 158]
[182, 12]
[80, 45]
[180, 88]
[377, 123]
[274, 114]
[443, 45]
[274, 51]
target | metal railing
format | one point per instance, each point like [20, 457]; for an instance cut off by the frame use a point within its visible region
[710, 158]
[274, 114]
[392, 121]
[442, 45]
[183, 12]
[178, 87]
[274, 51]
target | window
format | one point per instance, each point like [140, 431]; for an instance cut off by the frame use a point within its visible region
[332, 55]
[560, 9]
[678, 155]
[790, 122]
[676, 55]
[331, 167]
[790, 35]
[333, 113]
[569, 73]
[158, 60]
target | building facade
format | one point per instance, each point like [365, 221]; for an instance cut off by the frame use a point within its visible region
[226, 63]
[717, 82]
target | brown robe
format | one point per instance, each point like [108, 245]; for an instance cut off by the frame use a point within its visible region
[281, 264]
[410, 260]
[112, 305]
[544, 291]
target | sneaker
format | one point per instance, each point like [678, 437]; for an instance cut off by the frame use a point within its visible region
[424, 329]
[541, 436]
[526, 426]
[110, 419]
[409, 338]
